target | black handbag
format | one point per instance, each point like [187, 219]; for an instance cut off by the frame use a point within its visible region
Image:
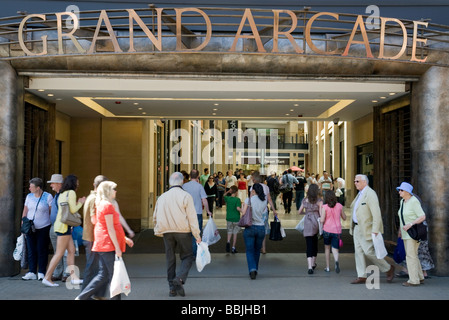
[418, 231]
[275, 230]
[27, 224]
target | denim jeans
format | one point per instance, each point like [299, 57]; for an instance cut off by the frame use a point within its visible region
[104, 277]
[200, 225]
[37, 246]
[92, 268]
[253, 237]
[299, 198]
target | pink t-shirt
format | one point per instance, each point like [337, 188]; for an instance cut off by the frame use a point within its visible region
[332, 222]
[103, 242]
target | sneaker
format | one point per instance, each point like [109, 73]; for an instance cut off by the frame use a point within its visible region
[228, 247]
[29, 276]
[40, 276]
[234, 250]
[337, 267]
[76, 281]
[327, 270]
[253, 275]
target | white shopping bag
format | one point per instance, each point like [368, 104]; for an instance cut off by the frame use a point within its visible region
[18, 251]
[210, 233]
[202, 256]
[120, 282]
[379, 246]
[300, 225]
[320, 226]
[283, 234]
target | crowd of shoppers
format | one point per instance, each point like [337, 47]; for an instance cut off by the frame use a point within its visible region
[178, 218]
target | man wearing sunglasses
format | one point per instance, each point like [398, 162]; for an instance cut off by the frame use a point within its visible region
[366, 220]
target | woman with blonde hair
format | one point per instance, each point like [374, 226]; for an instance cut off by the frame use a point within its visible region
[109, 239]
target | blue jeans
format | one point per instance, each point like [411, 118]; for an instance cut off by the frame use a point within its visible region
[106, 270]
[200, 224]
[92, 269]
[253, 237]
[37, 246]
[299, 198]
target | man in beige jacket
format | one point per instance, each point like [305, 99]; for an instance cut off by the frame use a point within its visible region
[175, 220]
[366, 220]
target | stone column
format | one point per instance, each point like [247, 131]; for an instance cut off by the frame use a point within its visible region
[430, 138]
[8, 144]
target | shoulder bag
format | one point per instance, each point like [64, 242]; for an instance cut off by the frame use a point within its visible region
[27, 224]
[285, 187]
[70, 219]
[418, 231]
[247, 219]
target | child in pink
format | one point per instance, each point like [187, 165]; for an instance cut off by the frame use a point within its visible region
[330, 218]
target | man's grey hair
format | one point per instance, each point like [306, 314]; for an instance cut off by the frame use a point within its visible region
[176, 179]
[363, 177]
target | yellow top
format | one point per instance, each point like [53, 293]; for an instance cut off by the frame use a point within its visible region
[73, 205]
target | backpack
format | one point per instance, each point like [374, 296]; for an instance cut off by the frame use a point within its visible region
[273, 184]
[276, 186]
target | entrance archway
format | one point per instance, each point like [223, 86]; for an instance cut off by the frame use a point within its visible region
[255, 76]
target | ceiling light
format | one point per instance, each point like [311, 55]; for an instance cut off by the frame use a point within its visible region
[383, 97]
[139, 108]
[216, 104]
[214, 114]
[215, 109]
[287, 114]
[296, 105]
[50, 94]
[41, 90]
[136, 103]
[292, 110]
[374, 101]
[392, 93]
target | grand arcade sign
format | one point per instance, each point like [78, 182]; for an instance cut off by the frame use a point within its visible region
[279, 30]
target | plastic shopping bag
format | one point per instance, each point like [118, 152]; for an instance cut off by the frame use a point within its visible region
[202, 256]
[210, 233]
[300, 225]
[18, 251]
[120, 282]
[379, 246]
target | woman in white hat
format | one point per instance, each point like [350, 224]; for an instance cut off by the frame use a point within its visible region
[410, 213]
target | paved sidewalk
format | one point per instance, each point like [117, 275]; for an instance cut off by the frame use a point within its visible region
[282, 276]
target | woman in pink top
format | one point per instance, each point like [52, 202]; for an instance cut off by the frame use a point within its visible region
[330, 218]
